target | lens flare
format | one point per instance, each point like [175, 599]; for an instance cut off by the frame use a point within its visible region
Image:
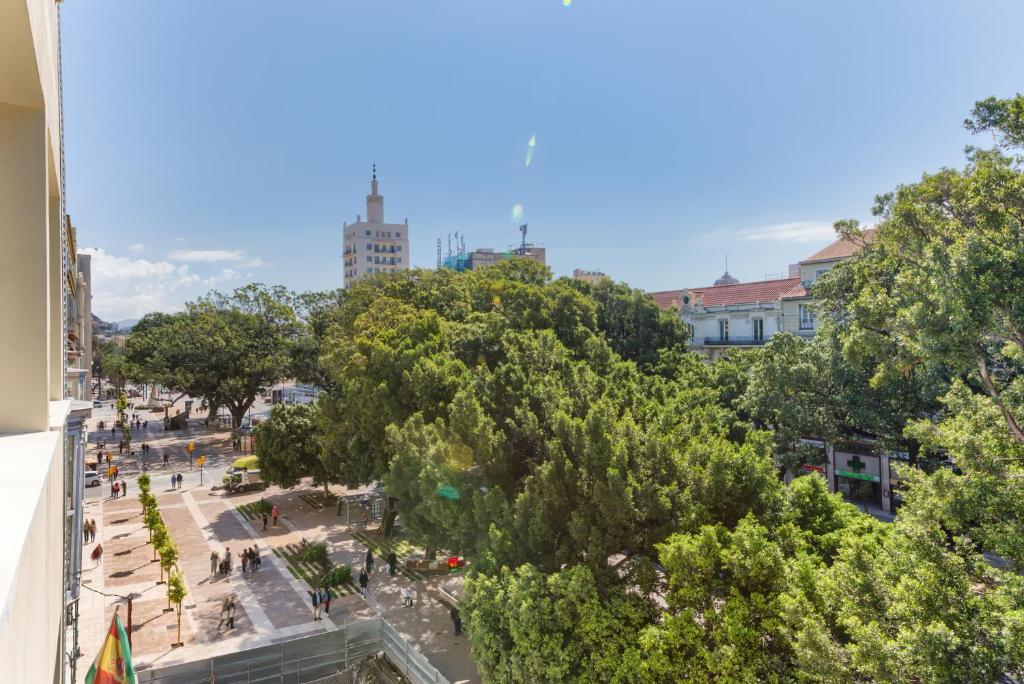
[517, 213]
[566, 3]
[530, 147]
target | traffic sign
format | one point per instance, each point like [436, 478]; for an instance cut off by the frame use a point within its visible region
[201, 460]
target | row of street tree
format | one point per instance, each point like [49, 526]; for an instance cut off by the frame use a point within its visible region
[621, 500]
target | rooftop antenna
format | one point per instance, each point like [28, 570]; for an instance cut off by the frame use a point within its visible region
[462, 245]
[449, 244]
[522, 229]
[439, 260]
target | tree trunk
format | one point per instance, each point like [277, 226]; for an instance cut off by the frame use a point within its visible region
[179, 625]
[387, 523]
[212, 415]
[430, 552]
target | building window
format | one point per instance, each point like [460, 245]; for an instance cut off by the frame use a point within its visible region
[369, 259]
[806, 317]
[398, 235]
[399, 248]
[723, 330]
[818, 272]
[758, 324]
[367, 233]
[399, 259]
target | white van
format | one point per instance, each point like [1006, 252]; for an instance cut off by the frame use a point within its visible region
[92, 478]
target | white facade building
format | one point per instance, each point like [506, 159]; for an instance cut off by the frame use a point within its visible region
[372, 246]
[42, 429]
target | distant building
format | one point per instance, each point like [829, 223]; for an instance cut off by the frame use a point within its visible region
[459, 259]
[798, 306]
[372, 246]
[592, 277]
[730, 314]
[735, 314]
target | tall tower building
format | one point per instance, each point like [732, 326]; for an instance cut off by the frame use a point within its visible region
[372, 246]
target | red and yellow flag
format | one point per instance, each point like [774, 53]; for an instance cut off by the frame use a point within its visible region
[113, 664]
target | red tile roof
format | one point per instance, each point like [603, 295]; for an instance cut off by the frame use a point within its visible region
[841, 248]
[668, 299]
[745, 293]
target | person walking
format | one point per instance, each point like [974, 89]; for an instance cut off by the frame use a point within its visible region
[214, 560]
[97, 554]
[392, 563]
[92, 529]
[229, 559]
[180, 478]
[124, 487]
[231, 613]
[456, 621]
[369, 560]
[225, 608]
[165, 458]
[407, 596]
[274, 512]
[85, 532]
[264, 521]
[245, 560]
[315, 598]
[256, 560]
[364, 580]
[325, 600]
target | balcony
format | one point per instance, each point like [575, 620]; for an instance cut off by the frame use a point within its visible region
[734, 341]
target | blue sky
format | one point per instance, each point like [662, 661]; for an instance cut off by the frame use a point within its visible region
[214, 143]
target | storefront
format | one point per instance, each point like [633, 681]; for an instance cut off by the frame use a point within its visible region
[858, 477]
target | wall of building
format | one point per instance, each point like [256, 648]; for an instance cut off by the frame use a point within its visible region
[705, 323]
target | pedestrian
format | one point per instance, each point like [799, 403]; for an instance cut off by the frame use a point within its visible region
[392, 563]
[366, 519]
[180, 478]
[456, 620]
[245, 560]
[407, 596]
[165, 458]
[325, 600]
[364, 580]
[113, 488]
[228, 558]
[315, 598]
[116, 471]
[174, 481]
[274, 513]
[97, 554]
[214, 560]
[85, 532]
[92, 529]
[264, 521]
[225, 608]
[124, 487]
[369, 560]
[256, 560]
[112, 431]
[145, 423]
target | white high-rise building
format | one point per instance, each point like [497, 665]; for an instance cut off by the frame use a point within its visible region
[372, 246]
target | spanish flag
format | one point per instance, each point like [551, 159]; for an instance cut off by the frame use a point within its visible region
[113, 664]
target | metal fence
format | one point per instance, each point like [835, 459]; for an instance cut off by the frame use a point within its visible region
[304, 660]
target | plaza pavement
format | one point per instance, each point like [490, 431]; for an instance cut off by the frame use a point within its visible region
[272, 605]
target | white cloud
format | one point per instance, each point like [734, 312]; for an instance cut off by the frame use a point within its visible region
[207, 255]
[129, 287]
[137, 248]
[225, 274]
[797, 231]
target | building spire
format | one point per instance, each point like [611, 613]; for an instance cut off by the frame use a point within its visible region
[374, 170]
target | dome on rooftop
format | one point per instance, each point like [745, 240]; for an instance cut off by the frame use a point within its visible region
[726, 279]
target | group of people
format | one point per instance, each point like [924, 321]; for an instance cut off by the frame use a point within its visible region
[89, 530]
[118, 489]
[249, 557]
[176, 480]
[274, 512]
[321, 601]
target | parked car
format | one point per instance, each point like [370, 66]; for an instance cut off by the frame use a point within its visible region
[96, 403]
[92, 478]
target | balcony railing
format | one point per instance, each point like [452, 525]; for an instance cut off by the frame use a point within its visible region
[733, 341]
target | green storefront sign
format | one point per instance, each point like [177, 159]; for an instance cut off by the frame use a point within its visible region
[857, 476]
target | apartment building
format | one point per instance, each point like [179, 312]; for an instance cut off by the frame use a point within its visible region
[592, 277]
[731, 314]
[41, 428]
[372, 246]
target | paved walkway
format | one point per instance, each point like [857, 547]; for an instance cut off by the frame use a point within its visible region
[272, 603]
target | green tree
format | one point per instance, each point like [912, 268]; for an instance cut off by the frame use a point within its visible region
[287, 445]
[528, 626]
[176, 594]
[225, 348]
[168, 556]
